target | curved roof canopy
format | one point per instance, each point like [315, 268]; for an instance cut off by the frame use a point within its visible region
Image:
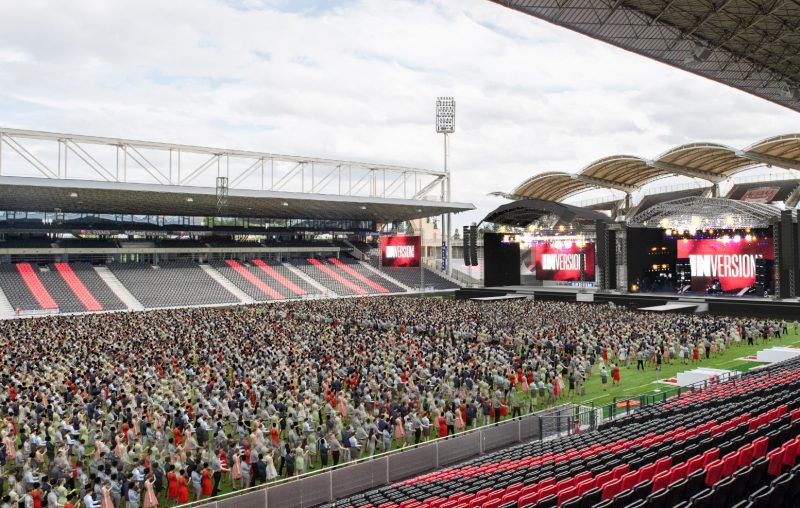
[708, 161]
[553, 186]
[527, 211]
[627, 173]
[622, 172]
[783, 151]
[752, 45]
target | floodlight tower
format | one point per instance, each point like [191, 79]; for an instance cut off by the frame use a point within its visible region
[446, 124]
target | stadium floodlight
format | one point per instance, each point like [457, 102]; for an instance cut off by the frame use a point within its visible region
[445, 115]
[446, 124]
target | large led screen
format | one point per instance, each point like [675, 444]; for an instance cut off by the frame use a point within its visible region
[562, 261]
[400, 251]
[731, 260]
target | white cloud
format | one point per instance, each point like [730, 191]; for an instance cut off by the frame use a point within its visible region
[357, 80]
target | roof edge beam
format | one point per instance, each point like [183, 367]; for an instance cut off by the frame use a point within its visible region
[686, 171]
[601, 182]
[772, 160]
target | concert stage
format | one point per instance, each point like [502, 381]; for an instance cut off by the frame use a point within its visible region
[737, 306]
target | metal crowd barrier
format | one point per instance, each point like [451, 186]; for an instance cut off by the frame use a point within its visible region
[330, 484]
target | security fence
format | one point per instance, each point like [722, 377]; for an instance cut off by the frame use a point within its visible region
[328, 485]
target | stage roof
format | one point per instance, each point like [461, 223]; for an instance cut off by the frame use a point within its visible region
[750, 45]
[697, 212]
[86, 196]
[712, 162]
[527, 211]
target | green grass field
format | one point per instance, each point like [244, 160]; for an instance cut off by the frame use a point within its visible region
[634, 383]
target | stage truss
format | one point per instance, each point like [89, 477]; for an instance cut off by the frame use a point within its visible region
[696, 213]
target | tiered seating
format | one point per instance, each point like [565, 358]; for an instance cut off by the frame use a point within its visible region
[62, 294]
[92, 283]
[172, 284]
[242, 276]
[322, 273]
[410, 278]
[293, 285]
[24, 289]
[736, 445]
[366, 276]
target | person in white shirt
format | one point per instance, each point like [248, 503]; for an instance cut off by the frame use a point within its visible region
[88, 500]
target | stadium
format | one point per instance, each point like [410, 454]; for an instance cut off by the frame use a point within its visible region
[198, 326]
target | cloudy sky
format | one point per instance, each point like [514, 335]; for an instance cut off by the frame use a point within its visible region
[357, 80]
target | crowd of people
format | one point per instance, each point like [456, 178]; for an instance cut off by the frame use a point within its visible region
[165, 407]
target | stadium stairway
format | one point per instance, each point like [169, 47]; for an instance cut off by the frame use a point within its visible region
[6, 309]
[241, 275]
[290, 288]
[301, 275]
[358, 277]
[230, 286]
[332, 279]
[116, 287]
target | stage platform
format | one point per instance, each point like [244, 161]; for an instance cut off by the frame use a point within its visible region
[677, 307]
[728, 305]
[501, 297]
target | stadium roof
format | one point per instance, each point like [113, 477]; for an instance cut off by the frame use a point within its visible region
[747, 44]
[627, 173]
[85, 196]
[527, 211]
[42, 171]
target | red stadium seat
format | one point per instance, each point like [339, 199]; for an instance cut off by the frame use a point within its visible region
[549, 490]
[585, 485]
[745, 455]
[663, 464]
[611, 489]
[565, 483]
[710, 456]
[620, 470]
[629, 480]
[760, 447]
[603, 478]
[647, 472]
[567, 494]
[582, 476]
[775, 460]
[713, 472]
[678, 472]
[790, 453]
[661, 481]
[694, 464]
[729, 463]
[527, 500]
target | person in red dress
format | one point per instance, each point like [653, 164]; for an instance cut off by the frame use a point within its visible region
[172, 483]
[615, 376]
[442, 426]
[36, 495]
[183, 488]
[206, 480]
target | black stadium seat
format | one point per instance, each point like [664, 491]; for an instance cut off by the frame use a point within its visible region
[703, 498]
[658, 499]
